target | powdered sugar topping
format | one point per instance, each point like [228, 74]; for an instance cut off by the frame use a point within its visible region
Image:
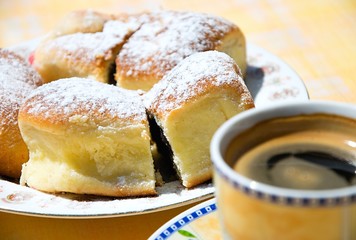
[84, 99]
[162, 43]
[191, 77]
[12, 96]
[17, 79]
[14, 68]
[87, 47]
[120, 28]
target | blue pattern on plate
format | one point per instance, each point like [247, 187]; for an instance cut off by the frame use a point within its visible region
[185, 220]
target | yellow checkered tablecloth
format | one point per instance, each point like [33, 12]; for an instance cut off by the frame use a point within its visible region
[316, 38]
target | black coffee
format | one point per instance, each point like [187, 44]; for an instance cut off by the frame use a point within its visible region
[304, 152]
[313, 170]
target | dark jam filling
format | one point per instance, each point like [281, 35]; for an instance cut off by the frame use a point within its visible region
[111, 74]
[340, 166]
[165, 164]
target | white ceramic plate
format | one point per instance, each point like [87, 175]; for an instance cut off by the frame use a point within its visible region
[269, 79]
[198, 222]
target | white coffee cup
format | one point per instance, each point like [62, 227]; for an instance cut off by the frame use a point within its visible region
[251, 209]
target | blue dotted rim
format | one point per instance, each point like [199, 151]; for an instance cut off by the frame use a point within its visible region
[188, 218]
[290, 200]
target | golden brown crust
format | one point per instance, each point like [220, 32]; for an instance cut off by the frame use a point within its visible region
[84, 47]
[13, 149]
[81, 103]
[164, 40]
[15, 68]
[77, 55]
[153, 43]
[201, 74]
[17, 80]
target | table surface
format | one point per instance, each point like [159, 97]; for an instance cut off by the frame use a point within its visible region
[316, 38]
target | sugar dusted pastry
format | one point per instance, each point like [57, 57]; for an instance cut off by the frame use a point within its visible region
[87, 137]
[84, 21]
[190, 103]
[84, 51]
[126, 22]
[167, 38]
[17, 80]
[77, 55]
[135, 49]
[200, 89]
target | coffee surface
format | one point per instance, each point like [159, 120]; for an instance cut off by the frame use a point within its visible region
[302, 152]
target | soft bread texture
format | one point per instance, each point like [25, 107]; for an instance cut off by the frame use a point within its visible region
[190, 103]
[87, 137]
[166, 38]
[17, 80]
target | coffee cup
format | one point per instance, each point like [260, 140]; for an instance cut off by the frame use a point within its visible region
[287, 171]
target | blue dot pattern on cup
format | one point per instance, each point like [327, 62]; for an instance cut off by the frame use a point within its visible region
[289, 200]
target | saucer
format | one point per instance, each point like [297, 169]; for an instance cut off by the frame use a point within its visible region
[198, 222]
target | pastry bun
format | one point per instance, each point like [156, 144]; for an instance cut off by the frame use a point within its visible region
[84, 21]
[85, 44]
[166, 38]
[135, 50]
[17, 80]
[87, 55]
[87, 137]
[190, 103]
